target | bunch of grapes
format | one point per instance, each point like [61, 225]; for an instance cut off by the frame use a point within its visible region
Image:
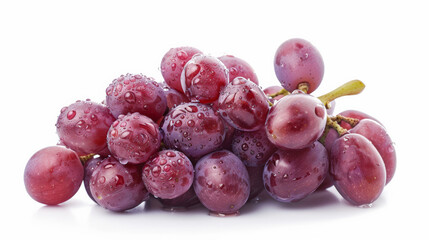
[210, 134]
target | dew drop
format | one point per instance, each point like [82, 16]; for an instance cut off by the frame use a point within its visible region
[126, 134]
[71, 114]
[182, 55]
[130, 97]
[244, 147]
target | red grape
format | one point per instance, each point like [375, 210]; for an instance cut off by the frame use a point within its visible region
[272, 90]
[256, 181]
[379, 137]
[355, 114]
[253, 148]
[136, 93]
[203, 77]
[172, 65]
[194, 129]
[222, 182]
[237, 67]
[243, 105]
[357, 169]
[89, 168]
[133, 138]
[83, 125]
[53, 175]
[296, 121]
[173, 96]
[298, 61]
[291, 175]
[118, 187]
[168, 174]
[188, 199]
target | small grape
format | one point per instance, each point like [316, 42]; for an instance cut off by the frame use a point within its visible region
[53, 175]
[237, 67]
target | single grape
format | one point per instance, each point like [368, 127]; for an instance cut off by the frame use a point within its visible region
[296, 121]
[222, 183]
[272, 90]
[168, 174]
[186, 200]
[173, 96]
[291, 175]
[136, 93]
[89, 168]
[355, 114]
[256, 181]
[203, 77]
[133, 138]
[331, 108]
[243, 105]
[298, 61]
[253, 148]
[381, 140]
[237, 67]
[172, 65]
[82, 127]
[118, 187]
[194, 129]
[53, 175]
[357, 169]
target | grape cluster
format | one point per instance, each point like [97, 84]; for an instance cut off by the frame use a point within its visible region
[210, 134]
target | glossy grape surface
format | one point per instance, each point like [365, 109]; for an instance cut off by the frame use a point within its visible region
[136, 93]
[168, 174]
[118, 187]
[381, 140]
[237, 67]
[291, 175]
[173, 96]
[243, 105]
[83, 125]
[357, 169]
[194, 129]
[133, 138]
[172, 65]
[53, 175]
[298, 61]
[256, 181]
[203, 77]
[296, 121]
[222, 182]
[89, 168]
[186, 200]
[253, 148]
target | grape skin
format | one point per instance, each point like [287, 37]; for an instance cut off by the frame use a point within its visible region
[296, 121]
[89, 168]
[291, 175]
[357, 169]
[381, 140]
[53, 175]
[83, 125]
[237, 67]
[222, 182]
[298, 61]
[118, 187]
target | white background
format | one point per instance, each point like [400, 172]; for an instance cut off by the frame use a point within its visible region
[53, 53]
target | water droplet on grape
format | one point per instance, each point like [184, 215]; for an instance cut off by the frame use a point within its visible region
[244, 147]
[182, 55]
[170, 154]
[71, 114]
[130, 97]
[126, 134]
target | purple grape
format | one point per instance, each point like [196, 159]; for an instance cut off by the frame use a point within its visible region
[194, 129]
[172, 65]
[53, 175]
[89, 168]
[203, 77]
[243, 105]
[186, 200]
[379, 137]
[296, 121]
[253, 148]
[272, 90]
[83, 125]
[298, 61]
[357, 169]
[168, 174]
[173, 96]
[136, 93]
[133, 138]
[118, 187]
[355, 114]
[291, 175]
[222, 182]
[237, 67]
[256, 181]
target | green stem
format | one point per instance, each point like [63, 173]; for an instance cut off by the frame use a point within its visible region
[350, 88]
[283, 92]
[85, 158]
[303, 87]
[352, 121]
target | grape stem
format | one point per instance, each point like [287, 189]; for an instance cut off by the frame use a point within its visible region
[352, 121]
[283, 92]
[85, 158]
[350, 88]
[334, 122]
[303, 87]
